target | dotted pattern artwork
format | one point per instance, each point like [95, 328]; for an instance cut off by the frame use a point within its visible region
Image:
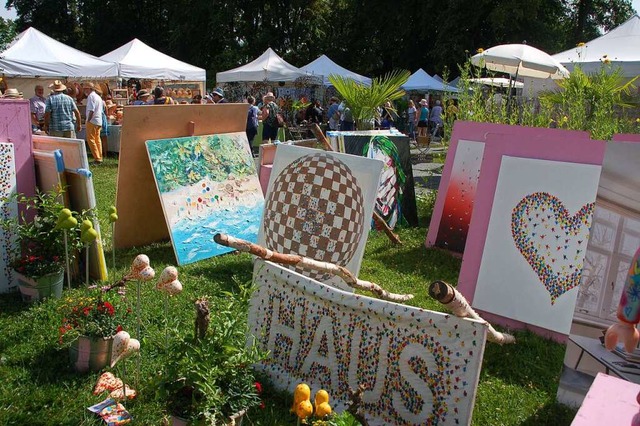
[418, 367]
[460, 197]
[551, 240]
[315, 209]
[8, 210]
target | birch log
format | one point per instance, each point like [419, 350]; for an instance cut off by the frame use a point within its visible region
[455, 301]
[307, 263]
[380, 223]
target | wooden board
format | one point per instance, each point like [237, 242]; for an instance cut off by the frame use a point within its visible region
[50, 172]
[139, 210]
[73, 150]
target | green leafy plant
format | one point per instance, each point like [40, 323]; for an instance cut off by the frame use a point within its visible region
[365, 101]
[40, 249]
[100, 314]
[210, 379]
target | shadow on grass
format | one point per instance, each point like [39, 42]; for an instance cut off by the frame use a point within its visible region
[11, 304]
[552, 413]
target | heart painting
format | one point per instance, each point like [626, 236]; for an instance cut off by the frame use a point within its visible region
[551, 240]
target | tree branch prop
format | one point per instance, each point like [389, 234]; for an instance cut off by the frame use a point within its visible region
[455, 301]
[307, 263]
[317, 132]
[354, 406]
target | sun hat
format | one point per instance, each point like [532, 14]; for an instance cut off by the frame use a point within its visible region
[218, 91]
[143, 94]
[57, 86]
[88, 85]
[423, 102]
[12, 94]
[269, 95]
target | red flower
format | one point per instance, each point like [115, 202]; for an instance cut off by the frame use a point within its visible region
[262, 406]
[86, 311]
[258, 387]
[119, 328]
[110, 309]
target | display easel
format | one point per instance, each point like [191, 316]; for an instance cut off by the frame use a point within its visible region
[141, 220]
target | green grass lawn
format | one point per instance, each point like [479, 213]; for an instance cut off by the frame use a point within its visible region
[518, 383]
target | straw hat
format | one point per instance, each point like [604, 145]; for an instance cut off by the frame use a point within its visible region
[12, 94]
[143, 94]
[423, 102]
[268, 97]
[57, 86]
[88, 85]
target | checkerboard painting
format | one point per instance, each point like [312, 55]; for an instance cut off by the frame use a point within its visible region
[319, 205]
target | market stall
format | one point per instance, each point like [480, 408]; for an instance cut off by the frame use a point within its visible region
[324, 67]
[266, 67]
[421, 81]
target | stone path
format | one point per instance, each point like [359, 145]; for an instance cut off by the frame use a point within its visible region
[426, 172]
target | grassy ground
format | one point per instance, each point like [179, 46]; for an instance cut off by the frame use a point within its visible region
[517, 386]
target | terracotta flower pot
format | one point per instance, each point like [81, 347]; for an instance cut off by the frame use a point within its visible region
[37, 289]
[90, 353]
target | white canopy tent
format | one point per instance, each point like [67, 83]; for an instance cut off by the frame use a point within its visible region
[324, 67]
[34, 54]
[137, 60]
[620, 45]
[267, 67]
[420, 80]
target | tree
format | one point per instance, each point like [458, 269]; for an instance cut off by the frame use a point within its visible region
[7, 32]
[587, 17]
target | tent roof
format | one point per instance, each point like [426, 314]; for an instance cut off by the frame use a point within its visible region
[323, 66]
[267, 67]
[420, 80]
[33, 53]
[620, 45]
[137, 60]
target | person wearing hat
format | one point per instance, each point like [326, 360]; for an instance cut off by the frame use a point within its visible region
[143, 97]
[61, 115]
[269, 118]
[12, 94]
[95, 110]
[218, 96]
[423, 118]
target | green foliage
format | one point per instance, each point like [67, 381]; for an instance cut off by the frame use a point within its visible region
[364, 100]
[40, 249]
[187, 161]
[210, 379]
[7, 32]
[594, 102]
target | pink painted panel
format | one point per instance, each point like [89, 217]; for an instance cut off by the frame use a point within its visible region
[15, 127]
[626, 137]
[535, 143]
[449, 201]
[610, 401]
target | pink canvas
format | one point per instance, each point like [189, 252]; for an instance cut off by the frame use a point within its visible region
[533, 143]
[610, 401]
[458, 185]
[626, 137]
[15, 127]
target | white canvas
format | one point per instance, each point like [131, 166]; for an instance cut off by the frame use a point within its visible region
[319, 204]
[8, 210]
[536, 241]
[418, 367]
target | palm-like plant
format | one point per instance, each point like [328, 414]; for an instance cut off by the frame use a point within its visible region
[363, 100]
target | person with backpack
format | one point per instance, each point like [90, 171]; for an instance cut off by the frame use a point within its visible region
[252, 120]
[269, 118]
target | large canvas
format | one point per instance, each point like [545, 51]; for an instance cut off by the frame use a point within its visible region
[319, 205]
[207, 184]
[456, 201]
[396, 200]
[8, 210]
[15, 127]
[418, 367]
[80, 189]
[536, 241]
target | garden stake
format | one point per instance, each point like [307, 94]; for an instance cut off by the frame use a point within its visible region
[87, 235]
[113, 217]
[166, 321]
[66, 259]
[87, 264]
[138, 336]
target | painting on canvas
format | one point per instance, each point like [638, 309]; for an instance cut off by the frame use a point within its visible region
[418, 367]
[8, 210]
[319, 204]
[536, 241]
[207, 184]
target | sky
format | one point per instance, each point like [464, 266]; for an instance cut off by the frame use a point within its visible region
[11, 14]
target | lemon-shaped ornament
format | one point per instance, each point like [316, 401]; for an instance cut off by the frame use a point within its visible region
[304, 409]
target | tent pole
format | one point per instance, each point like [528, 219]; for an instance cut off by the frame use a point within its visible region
[509, 94]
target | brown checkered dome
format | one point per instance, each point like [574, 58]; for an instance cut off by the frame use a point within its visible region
[315, 209]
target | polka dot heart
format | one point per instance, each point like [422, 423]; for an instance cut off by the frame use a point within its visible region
[552, 241]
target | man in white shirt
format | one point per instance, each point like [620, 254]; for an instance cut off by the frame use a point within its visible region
[95, 107]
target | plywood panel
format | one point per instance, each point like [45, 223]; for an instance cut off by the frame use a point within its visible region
[139, 210]
[73, 150]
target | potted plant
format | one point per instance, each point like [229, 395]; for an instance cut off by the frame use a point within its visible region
[39, 255]
[365, 101]
[208, 379]
[89, 322]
